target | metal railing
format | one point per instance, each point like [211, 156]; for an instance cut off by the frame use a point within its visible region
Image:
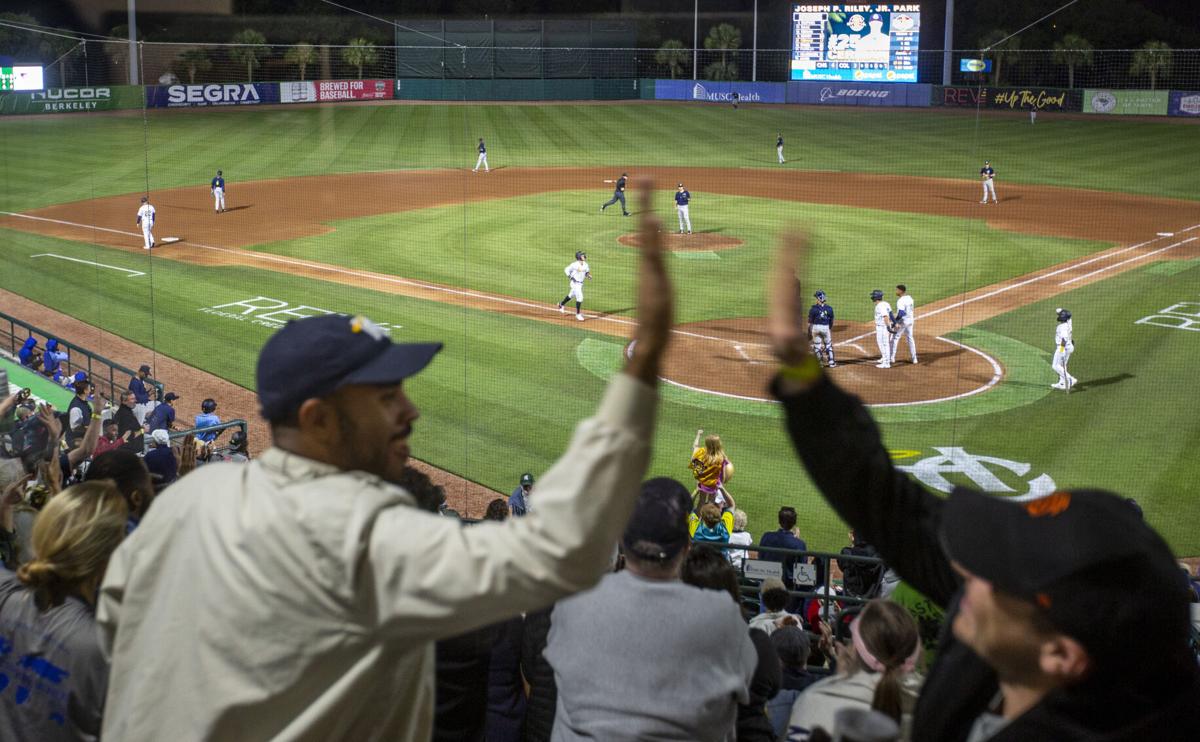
[238, 423]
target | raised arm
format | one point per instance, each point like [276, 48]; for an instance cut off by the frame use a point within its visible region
[841, 448]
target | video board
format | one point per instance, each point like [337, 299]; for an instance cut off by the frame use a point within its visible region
[865, 42]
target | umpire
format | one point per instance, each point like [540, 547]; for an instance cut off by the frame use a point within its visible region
[618, 194]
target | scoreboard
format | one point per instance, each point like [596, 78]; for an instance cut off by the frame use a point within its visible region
[866, 42]
[20, 78]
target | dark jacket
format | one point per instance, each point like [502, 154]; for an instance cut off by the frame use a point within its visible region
[753, 724]
[127, 421]
[543, 693]
[840, 446]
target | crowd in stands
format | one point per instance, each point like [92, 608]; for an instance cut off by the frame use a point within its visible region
[325, 591]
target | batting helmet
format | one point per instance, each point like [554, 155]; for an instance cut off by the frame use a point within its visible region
[819, 295]
[1063, 315]
[208, 406]
[581, 255]
[876, 294]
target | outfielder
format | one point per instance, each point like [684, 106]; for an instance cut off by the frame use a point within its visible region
[577, 272]
[145, 218]
[883, 320]
[218, 192]
[820, 328]
[681, 205]
[1064, 346]
[618, 194]
[903, 323]
[779, 147]
[482, 159]
[988, 175]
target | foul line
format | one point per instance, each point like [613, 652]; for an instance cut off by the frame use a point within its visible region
[132, 273]
[1130, 260]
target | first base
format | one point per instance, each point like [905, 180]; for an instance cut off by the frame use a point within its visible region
[169, 240]
[1166, 234]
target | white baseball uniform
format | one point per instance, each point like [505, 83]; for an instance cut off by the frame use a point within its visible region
[905, 304]
[883, 338]
[146, 219]
[482, 159]
[989, 183]
[577, 272]
[1064, 346]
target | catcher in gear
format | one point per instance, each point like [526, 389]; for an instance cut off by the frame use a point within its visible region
[820, 330]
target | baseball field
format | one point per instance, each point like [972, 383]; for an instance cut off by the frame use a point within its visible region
[374, 209]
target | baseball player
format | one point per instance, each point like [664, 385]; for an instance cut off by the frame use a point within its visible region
[618, 194]
[988, 175]
[820, 328]
[145, 217]
[681, 205]
[779, 147]
[903, 324]
[883, 320]
[577, 272]
[482, 159]
[1064, 346]
[218, 192]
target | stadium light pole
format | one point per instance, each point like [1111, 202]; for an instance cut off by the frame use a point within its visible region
[133, 57]
[948, 43]
[695, 36]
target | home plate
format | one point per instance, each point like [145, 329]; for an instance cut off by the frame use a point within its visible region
[169, 240]
[1166, 234]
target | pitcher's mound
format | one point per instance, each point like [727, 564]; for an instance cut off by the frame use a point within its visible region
[699, 241]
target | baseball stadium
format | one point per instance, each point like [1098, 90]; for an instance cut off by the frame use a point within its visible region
[442, 177]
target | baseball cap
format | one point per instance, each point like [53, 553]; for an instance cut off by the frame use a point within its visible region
[658, 528]
[792, 644]
[526, 479]
[1088, 561]
[171, 397]
[876, 17]
[680, 185]
[161, 437]
[144, 368]
[877, 294]
[819, 295]
[316, 356]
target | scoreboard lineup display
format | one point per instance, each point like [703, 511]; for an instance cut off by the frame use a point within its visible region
[20, 78]
[867, 42]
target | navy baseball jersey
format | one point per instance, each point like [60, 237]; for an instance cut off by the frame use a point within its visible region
[820, 314]
[482, 149]
[779, 142]
[621, 183]
[682, 197]
[988, 171]
[218, 182]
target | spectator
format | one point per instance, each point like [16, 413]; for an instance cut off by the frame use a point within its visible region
[208, 419]
[739, 537]
[162, 417]
[47, 622]
[137, 385]
[79, 412]
[710, 526]
[712, 469]
[328, 581]
[109, 440]
[644, 656]
[706, 567]
[1068, 618]
[518, 501]
[53, 360]
[496, 510]
[26, 355]
[237, 451]
[129, 430]
[161, 461]
[505, 688]
[12, 494]
[143, 409]
[784, 538]
[128, 471]
[860, 579]
[775, 599]
[874, 672]
[793, 645]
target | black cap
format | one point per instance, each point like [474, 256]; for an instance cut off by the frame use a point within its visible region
[526, 479]
[171, 397]
[1087, 560]
[658, 528]
[316, 356]
[144, 368]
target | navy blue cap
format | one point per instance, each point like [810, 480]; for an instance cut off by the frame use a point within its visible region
[314, 357]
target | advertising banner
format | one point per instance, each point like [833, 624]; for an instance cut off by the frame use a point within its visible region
[72, 100]
[858, 94]
[332, 90]
[719, 92]
[228, 94]
[297, 92]
[1126, 102]
[1184, 103]
[1014, 99]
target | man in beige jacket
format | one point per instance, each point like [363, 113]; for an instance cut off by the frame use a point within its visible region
[297, 597]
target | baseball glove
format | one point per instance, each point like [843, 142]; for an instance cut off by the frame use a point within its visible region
[893, 329]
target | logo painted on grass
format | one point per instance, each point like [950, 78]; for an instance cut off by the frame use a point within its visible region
[1182, 316]
[980, 470]
[274, 313]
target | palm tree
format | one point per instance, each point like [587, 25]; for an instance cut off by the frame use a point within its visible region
[301, 55]
[193, 61]
[723, 37]
[1153, 59]
[1010, 52]
[1073, 51]
[251, 47]
[359, 52]
[673, 55]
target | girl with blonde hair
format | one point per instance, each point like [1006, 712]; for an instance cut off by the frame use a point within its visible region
[47, 617]
[712, 469]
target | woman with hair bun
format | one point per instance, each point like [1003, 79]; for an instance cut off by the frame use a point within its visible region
[56, 675]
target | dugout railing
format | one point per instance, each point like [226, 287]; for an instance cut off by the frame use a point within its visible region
[236, 424]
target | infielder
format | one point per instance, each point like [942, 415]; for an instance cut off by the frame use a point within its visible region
[903, 324]
[883, 338]
[577, 272]
[779, 147]
[145, 217]
[618, 194]
[218, 192]
[988, 175]
[820, 328]
[681, 205]
[1064, 346]
[482, 159]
